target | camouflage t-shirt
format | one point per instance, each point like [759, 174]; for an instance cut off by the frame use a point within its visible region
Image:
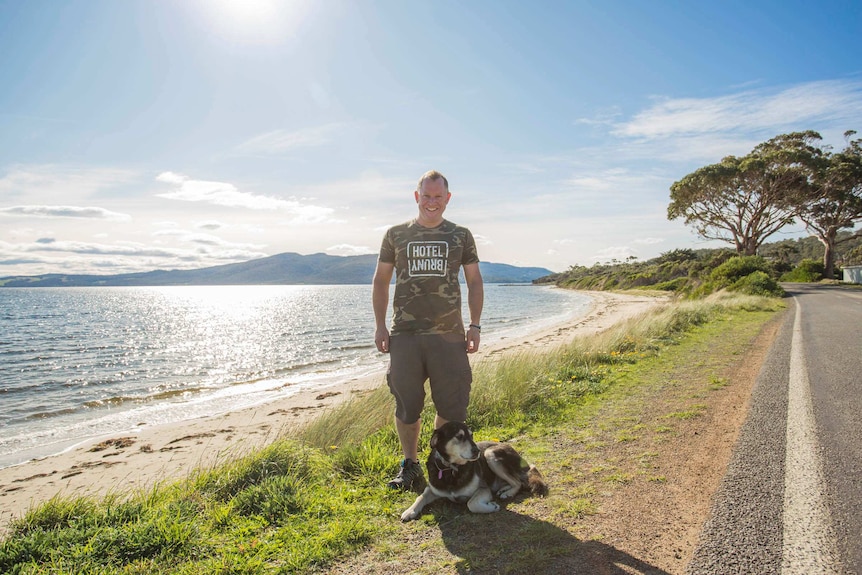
[427, 263]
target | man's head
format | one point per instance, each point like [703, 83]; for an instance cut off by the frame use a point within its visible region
[432, 195]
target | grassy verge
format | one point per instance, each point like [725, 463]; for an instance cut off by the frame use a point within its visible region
[307, 502]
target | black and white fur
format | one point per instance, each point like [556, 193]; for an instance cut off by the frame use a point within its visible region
[460, 469]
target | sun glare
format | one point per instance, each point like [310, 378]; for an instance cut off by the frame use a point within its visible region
[254, 21]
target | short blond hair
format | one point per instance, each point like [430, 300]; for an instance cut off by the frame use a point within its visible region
[432, 175]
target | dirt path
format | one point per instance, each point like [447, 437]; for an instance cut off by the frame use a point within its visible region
[657, 516]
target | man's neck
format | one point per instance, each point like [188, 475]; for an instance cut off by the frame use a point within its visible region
[429, 225]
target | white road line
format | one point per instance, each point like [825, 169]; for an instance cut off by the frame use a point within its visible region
[809, 539]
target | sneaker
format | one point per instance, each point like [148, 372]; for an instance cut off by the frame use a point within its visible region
[409, 472]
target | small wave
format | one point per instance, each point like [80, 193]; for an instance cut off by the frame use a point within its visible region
[351, 347]
[160, 396]
[17, 388]
[171, 393]
[301, 367]
[111, 401]
[50, 414]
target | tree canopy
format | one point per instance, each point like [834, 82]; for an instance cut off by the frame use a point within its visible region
[836, 203]
[744, 200]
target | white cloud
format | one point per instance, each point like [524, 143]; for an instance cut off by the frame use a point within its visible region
[48, 255]
[482, 240]
[46, 245]
[528, 168]
[613, 180]
[349, 250]
[606, 117]
[204, 239]
[604, 192]
[209, 225]
[92, 213]
[748, 111]
[280, 141]
[227, 195]
[52, 180]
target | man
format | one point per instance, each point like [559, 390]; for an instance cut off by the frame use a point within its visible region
[428, 339]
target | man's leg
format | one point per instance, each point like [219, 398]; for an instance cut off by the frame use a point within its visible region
[408, 435]
[411, 469]
[451, 379]
[406, 380]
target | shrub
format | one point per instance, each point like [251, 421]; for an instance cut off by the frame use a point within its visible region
[807, 271]
[737, 268]
[676, 285]
[757, 283]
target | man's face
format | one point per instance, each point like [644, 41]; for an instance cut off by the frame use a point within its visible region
[432, 198]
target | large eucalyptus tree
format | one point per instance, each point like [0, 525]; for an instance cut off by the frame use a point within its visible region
[744, 200]
[836, 203]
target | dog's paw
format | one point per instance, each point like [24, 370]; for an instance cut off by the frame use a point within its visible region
[409, 515]
[507, 492]
[494, 506]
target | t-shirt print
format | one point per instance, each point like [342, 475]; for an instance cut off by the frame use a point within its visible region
[428, 258]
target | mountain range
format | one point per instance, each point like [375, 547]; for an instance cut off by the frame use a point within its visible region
[281, 269]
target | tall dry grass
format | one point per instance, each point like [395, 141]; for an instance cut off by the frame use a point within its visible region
[510, 383]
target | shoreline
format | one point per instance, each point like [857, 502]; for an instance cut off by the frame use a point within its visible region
[123, 463]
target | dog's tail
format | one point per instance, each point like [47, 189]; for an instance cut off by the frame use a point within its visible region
[536, 482]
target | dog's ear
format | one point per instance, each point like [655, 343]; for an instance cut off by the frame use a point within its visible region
[434, 439]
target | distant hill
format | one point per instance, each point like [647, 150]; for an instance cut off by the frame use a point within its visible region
[281, 269]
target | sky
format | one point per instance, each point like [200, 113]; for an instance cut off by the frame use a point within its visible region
[142, 134]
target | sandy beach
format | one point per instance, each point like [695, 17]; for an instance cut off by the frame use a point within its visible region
[125, 463]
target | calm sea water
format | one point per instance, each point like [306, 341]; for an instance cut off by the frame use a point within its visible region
[77, 363]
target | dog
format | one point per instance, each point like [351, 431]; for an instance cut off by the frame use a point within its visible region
[460, 469]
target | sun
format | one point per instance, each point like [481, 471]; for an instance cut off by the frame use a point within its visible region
[254, 21]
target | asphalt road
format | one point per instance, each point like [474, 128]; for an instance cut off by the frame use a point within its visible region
[791, 501]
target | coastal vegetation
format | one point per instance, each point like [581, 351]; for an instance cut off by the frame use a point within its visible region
[316, 499]
[696, 273]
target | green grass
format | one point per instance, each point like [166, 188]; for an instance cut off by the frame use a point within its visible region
[307, 501]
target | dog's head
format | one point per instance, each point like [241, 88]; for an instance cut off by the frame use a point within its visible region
[454, 442]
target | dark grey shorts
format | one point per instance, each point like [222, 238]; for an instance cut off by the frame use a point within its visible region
[416, 358]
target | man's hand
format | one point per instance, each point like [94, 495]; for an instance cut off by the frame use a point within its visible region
[381, 340]
[472, 340]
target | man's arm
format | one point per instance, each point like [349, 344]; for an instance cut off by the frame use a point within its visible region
[475, 301]
[380, 303]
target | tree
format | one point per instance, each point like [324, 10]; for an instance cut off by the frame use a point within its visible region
[745, 200]
[837, 204]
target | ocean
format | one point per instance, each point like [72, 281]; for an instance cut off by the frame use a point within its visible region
[78, 363]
